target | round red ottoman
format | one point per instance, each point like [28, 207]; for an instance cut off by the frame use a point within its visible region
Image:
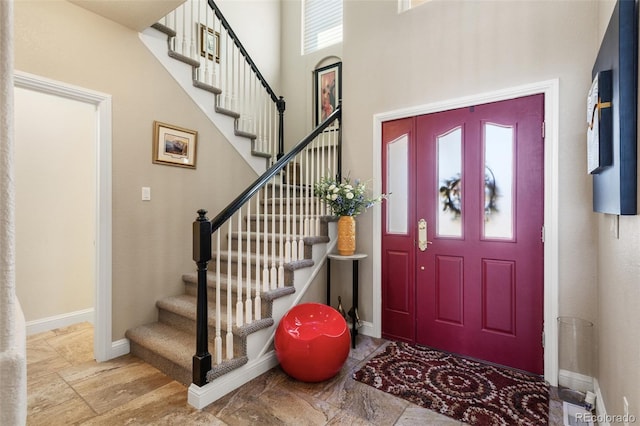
[312, 342]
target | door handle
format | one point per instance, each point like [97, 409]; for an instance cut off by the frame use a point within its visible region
[422, 235]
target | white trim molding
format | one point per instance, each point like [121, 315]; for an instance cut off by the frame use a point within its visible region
[102, 345]
[58, 321]
[550, 89]
[601, 410]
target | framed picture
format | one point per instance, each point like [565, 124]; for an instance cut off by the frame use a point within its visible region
[328, 90]
[174, 146]
[209, 43]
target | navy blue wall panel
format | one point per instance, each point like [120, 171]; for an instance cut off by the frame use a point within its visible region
[615, 187]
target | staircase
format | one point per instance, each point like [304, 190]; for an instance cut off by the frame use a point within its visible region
[259, 255]
[169, 343]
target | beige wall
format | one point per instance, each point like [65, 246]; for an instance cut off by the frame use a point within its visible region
[151, 240]
[297, 74]
[55, 204]
[444, 50]
[618, 296]
[257, 25]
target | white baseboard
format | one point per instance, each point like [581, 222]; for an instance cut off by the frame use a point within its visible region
[575, 381]
[58, 321]
[200, 397]
[367, 329]
[601, 411]
[119, 348]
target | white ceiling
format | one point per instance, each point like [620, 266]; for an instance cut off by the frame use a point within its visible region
[134, 14]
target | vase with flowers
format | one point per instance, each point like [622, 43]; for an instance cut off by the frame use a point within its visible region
[346, 200]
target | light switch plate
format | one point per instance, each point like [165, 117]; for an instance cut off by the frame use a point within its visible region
[146, 193]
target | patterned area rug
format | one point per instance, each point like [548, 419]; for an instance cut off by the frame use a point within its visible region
[475, 393]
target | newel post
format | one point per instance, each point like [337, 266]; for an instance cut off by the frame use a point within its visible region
[202, 256]
[280, 103]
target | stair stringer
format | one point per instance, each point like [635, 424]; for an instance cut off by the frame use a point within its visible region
[182, 73]
[260, 351]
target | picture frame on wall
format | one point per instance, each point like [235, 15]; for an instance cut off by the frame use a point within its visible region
[174, 146]
[209, 43]
[328, 90]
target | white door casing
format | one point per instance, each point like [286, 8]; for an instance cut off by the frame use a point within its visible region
[550, 89]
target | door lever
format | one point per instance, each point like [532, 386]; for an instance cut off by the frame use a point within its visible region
[422, 235]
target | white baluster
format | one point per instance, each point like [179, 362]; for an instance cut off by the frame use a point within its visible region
[183, 32]
[287, 244]
[192, 32]
[308, 192]
[265, 272]
[227, 72]
[239, 314]
[248, 309]
[218, 339]
[281, 238]
[274, 272]
[294, 219]
[313, 219]
[258, 301]
[206, 79]
[299, 218]
[229, 294]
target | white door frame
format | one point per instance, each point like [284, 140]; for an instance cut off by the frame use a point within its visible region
[550, 89]
[102, 345]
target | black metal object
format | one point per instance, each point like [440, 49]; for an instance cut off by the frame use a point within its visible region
[339, 171]
[202, 256]
[281, 107]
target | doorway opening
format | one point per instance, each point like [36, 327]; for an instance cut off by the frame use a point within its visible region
[100, 105]
[550, 90]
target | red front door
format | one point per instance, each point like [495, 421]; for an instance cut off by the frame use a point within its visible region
[473, 253]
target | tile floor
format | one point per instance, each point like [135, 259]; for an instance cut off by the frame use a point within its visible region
[67, 387]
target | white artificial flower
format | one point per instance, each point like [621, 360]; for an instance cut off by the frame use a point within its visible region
[334, 196]
[349, 195]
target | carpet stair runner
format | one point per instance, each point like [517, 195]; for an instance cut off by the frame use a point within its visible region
[169, 343]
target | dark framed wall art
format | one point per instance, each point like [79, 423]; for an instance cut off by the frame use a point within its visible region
[613, 152]
[328, 90]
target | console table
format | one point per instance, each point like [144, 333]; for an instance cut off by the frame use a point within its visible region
[353, 312]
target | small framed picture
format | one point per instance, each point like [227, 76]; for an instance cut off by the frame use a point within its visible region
[328, 90]
[209, 43]
[174, 146]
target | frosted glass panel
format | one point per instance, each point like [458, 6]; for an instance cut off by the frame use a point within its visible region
[449, 205]
[398, 185]
[498, 181]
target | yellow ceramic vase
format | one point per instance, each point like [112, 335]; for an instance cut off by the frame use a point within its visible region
[346, 235]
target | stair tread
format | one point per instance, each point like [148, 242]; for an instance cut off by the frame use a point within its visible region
[271, 294]
[185, 306]
[253, 258]
[168, 342]
[245, 134]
